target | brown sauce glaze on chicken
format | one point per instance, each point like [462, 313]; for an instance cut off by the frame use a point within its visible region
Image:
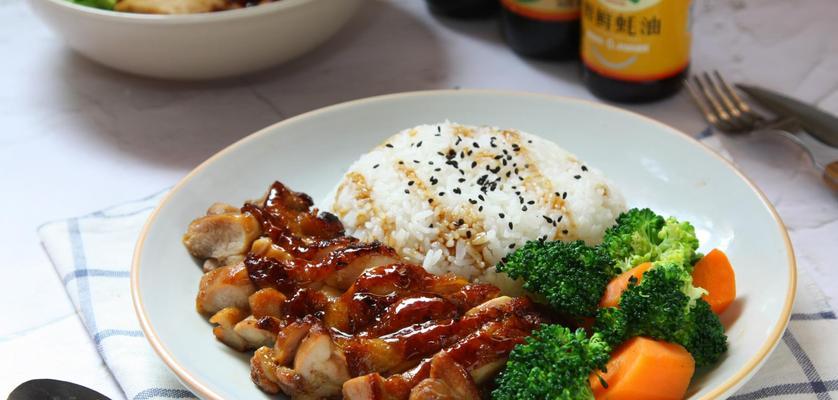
[338, 317]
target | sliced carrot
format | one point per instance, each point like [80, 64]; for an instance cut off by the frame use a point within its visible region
[715, 274]
[618, 285]
[645, 369]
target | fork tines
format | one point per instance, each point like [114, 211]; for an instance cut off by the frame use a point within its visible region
[720, 104]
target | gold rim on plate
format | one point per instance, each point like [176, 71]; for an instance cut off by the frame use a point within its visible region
[738, 379]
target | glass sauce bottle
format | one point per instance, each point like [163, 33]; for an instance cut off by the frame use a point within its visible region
[635, 50]
[464, 9]
[546, 29]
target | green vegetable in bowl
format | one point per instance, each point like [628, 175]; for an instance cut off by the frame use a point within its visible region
[103, 4]
[641, 235]
[570, 277]
[553, 363]
[663, 306]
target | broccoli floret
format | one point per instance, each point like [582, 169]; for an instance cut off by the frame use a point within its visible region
[612, 325]
[678, 244]
[640, 235]
[103, 4]
[570, 277]
[703, 335]
[553, 363]
[657, 306]
[634, 238]
[661, 307]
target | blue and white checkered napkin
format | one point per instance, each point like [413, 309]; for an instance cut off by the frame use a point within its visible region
[92, 254]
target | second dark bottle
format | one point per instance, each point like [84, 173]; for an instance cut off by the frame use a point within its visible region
[546, 29]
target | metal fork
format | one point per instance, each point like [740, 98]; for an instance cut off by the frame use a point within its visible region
[727, 111]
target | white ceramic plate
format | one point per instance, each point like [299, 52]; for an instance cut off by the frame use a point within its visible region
[654, 165]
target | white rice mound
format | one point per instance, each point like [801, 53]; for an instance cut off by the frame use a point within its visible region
[457, 198]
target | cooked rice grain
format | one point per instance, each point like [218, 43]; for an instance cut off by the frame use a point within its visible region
[458, 198]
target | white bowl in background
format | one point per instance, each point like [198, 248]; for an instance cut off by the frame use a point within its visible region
[197, 46]
[653, 164]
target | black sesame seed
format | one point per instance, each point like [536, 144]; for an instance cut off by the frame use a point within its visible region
[437, 169]
[504, 162]
[460, 221]
[401, 162]
[564, 231]
[524, 208]
[548, 219]
[461, 180]
[410, 183]
[468, 234]
[529, 141]
[407, 191]
[508, 173]
[512, 245]
[498, 157]
[584, 168]
[419, 144]
[439, 129]
[480, 208]
[531, 202]
[430, 201]
[558, 194]
[476, 146]
[457, 190]
[560, 218]
[577, 176]
[430, 163]
[441, 194]
[389, 145]
[472, 201]
[501, 215]
[520, 178]
[440, 153]
[375, 166]
[462, 155]
[451, 154]
[480, 196]
[564, 195]
[510, 225]
[416, 161]
[469, 152]
[459, 139]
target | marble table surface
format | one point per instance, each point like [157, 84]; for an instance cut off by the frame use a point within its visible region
[76, 137]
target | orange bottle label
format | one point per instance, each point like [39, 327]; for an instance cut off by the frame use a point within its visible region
[636, 40]
[544, 10]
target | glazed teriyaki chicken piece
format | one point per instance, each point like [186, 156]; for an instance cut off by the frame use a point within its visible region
[329, 316]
